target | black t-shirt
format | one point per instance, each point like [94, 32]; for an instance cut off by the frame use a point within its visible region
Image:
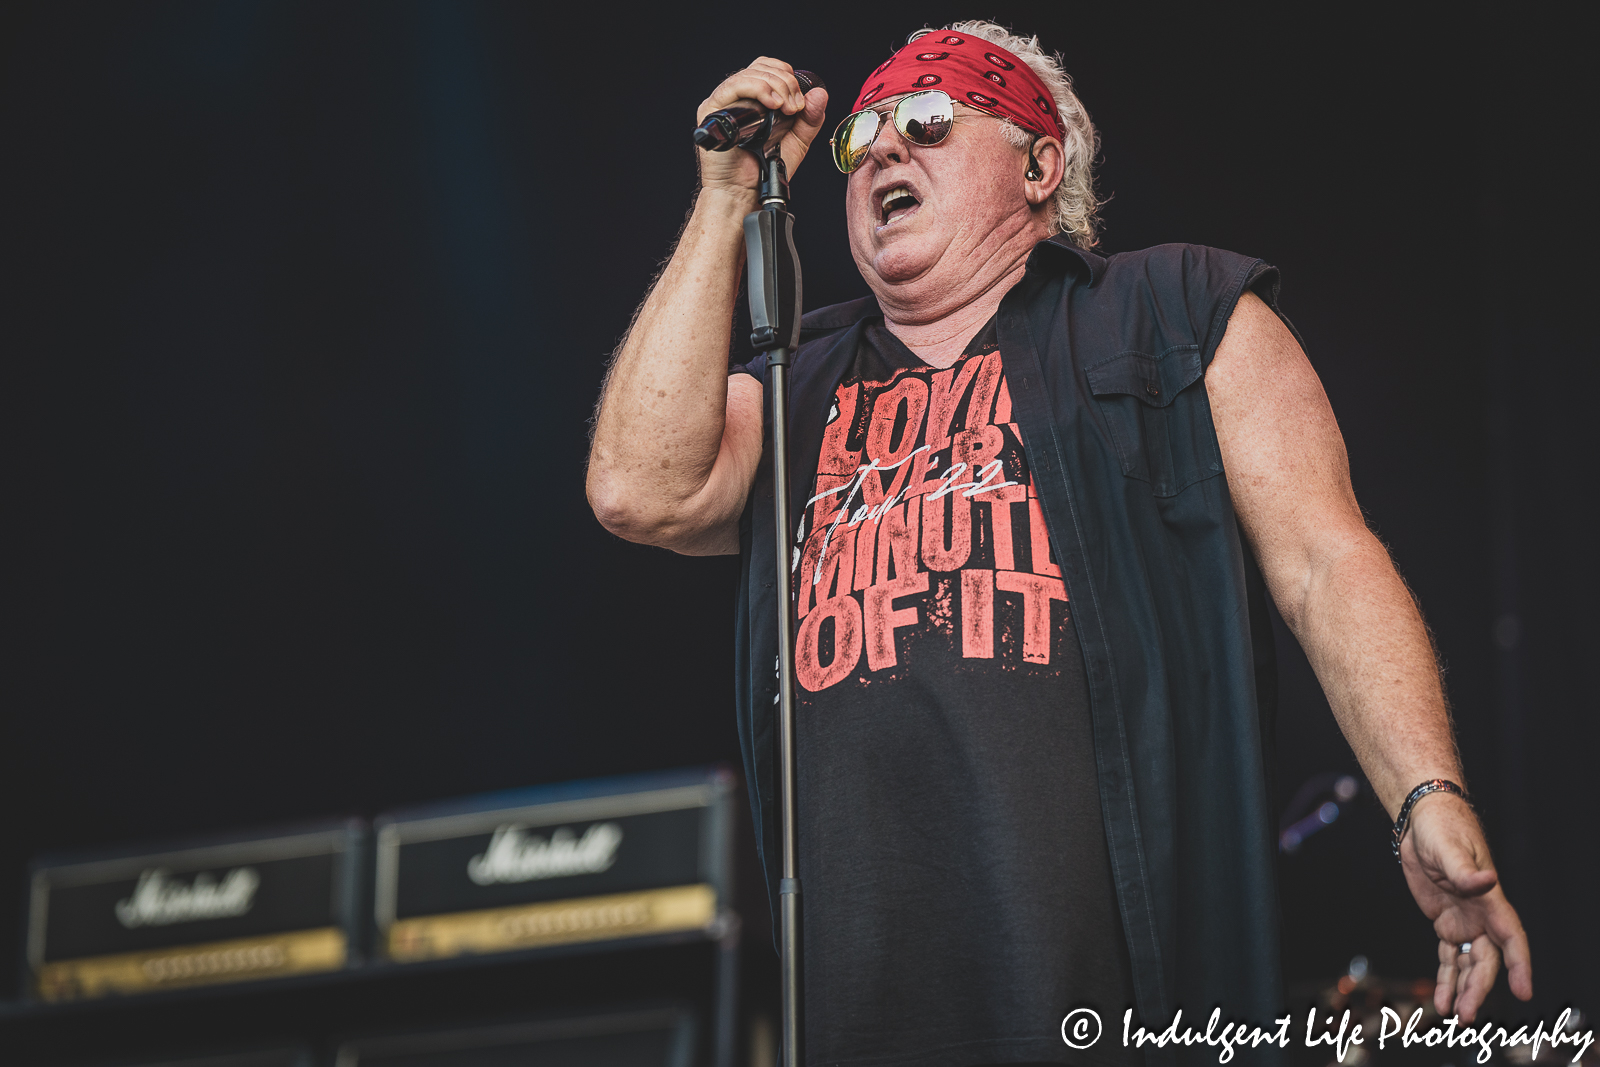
[957, 894]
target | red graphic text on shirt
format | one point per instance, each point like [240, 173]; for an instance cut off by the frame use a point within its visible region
[924, 528]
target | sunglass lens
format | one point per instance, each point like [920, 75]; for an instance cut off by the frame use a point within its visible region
[924, 118]
[853, 140]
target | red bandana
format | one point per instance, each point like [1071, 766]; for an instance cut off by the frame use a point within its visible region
[971, 70]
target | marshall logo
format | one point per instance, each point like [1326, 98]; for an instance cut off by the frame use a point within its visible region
[226, 909]
[161, 900]
[515, 856]
[594, 862]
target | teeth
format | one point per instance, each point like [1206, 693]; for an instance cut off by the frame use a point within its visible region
[894, 194]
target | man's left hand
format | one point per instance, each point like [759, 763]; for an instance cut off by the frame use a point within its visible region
[1447, 865]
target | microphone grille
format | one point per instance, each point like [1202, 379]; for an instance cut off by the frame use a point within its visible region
[808, 81]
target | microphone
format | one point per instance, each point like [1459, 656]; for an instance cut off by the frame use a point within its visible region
[745, 123]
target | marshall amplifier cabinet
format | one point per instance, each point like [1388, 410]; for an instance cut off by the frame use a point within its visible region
[646, 1037]
[583, 862]
[229, 910]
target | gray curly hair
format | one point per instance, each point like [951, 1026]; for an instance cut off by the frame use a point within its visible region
[1076, 208]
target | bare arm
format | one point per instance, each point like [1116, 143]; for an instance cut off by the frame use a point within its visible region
[1340, 595]
[676, 440]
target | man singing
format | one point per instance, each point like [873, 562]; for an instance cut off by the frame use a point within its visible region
[1042, 495]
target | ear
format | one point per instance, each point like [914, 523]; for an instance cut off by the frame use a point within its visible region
[1045, 167]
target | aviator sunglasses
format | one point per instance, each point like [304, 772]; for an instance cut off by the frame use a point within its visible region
[922, 118]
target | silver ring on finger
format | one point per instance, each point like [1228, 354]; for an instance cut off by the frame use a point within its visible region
[1465, 948]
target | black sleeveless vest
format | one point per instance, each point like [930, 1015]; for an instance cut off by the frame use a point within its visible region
[1106, 359]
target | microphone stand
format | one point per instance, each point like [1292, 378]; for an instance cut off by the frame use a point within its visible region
[774, 288]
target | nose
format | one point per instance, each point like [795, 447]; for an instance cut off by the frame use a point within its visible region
[889, 147]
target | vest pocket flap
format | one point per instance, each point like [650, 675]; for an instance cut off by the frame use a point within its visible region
[1155, 381]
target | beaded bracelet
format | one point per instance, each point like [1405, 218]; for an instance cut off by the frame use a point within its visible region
[1435, 785]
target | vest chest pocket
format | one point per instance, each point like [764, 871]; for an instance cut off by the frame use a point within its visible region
[1161, 427]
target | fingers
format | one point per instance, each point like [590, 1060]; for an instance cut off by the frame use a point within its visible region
[807, 125]
[816, 111]
[800, 115]
[1463, 870]
[1465, 978]
[1490, 924]
[1449, 871]
[1519, 968]
[769, 82]
[1444, 987]
[794, 96]
[797, 140]
[1506, 930]
[1475, 974]
[1468, 883]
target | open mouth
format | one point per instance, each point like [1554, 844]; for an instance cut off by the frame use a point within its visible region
[897, 203]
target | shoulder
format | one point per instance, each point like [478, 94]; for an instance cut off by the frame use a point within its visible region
[1164, 275]
[1186, 269]
[1190, 289]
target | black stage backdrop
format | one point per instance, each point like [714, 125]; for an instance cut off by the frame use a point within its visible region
[305, 307]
